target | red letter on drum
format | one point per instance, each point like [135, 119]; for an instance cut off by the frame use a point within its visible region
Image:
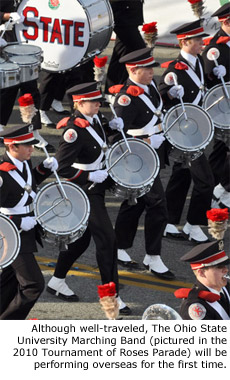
[46, 21]
[78, 33]
[56, 32]
[30, 23]
[67, 24]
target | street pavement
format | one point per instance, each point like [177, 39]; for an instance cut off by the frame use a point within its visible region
[139, 288]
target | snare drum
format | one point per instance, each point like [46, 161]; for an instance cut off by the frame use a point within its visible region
[134, 174]
[218, 107]
[9, 74]
[10, 241]
[69, 34]
[189, 137]
[25, 50]
[63, 221]
[29, 67]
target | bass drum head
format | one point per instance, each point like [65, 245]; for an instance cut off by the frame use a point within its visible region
[68, 32]
[135, 169]
[188, 135]
[220, 111]
[10, 241]
[69, 215]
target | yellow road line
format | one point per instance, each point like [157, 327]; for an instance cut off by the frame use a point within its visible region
[125, 277]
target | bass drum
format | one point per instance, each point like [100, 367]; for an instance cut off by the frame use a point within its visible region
[63, 220]
[133, 174]
[218, 106]
[189, 137]
[69, 33]
[10, 241]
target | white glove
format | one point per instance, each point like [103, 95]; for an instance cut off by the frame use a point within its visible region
[28, 223]
[2, 42]
[6, 26]
[176, 91]
[219, 71]
[116, 124]
[50, 163]
[16, 17]
[98, 176]
[156, 140]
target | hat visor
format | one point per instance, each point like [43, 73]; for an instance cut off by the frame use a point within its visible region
[32, 142]
[101, 99]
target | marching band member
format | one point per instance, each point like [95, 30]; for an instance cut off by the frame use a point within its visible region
[138, 103]
[219, 159]
[209, 298]
[81, 157]
[189, 70]
[21, 283]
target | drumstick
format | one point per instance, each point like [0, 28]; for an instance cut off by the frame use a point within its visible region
[6, 25]
[120, 130]
[171, 78]
[213, 54]
[36, 135]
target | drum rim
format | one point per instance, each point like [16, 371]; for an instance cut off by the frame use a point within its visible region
[84, 219]
[193, 149]
[217, 125]
[18, 243]
[147, 182]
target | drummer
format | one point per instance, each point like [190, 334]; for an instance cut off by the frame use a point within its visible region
[139, 104]
[81, 157]
[219, 158]
[21, 283]
[188, 68]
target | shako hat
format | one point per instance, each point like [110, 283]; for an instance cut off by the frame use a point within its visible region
[19, 135]
[139, 58]
[86, 91]
[206, 255]
[190, 30]
[223, 13]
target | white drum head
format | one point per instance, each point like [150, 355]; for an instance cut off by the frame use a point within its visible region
[188, 135]
[10, 241]
[64, 29]
[219, 111]
[135, 169]
[69, 215]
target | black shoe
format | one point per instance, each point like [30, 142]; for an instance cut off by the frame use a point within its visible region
[125, 311]
[50, 148]
[72, 298]
[65, 112]
[128, 264]
[164, 276]
[174, 236]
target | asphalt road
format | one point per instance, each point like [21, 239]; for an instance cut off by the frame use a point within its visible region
[139, 288]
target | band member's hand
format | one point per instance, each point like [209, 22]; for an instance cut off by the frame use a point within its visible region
[98, 176]
[219, 71]
[116, 123]
[2, 42]
[28, 222]
[176, 92]
[50, 163]
[156, 140]
[16, 17]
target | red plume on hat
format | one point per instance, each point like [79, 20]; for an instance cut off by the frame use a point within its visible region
[99, 68]
[27, 108]
[108, 300]
[150, 33]
[197, 7]
[217, 222]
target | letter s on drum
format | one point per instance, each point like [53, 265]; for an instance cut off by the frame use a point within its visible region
[25, 352]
